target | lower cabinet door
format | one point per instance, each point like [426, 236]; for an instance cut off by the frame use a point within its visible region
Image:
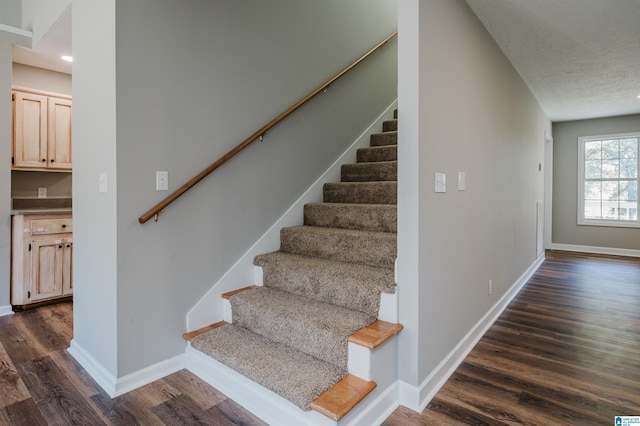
[46, 269]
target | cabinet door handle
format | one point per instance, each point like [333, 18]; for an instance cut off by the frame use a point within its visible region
[68, 245]
[64, 225]
[44, 160]
[52, 160]
[60, 246]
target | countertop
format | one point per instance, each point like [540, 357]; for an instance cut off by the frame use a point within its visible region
[27, 205]
[61, 210]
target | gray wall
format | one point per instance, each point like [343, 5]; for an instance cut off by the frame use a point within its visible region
[5, 169]
[192, 80]
[565, 185]
[462, 108]
[11, 13]
[95, 219]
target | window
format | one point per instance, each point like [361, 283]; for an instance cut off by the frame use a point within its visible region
[608, 180]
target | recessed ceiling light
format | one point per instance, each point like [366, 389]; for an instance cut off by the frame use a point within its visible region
[67, 58]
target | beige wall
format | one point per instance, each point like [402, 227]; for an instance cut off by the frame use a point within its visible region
[565, 185]
[41, 79]
[26, 184]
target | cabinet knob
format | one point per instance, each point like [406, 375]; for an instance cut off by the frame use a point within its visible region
[52, 160]
[68, 245]
[44, 160]
[64, 225]
[60, 246]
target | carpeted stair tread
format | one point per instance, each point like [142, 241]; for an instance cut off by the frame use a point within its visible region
[384, 138]
[319, 329]
[367, 172]
[390, 125]
[294, 375]
[361, 192]
[348, 285]
[364, 217]
[377, 153]
[378, 249]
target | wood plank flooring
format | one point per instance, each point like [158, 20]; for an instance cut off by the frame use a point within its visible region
[41, 384]
[566, 351]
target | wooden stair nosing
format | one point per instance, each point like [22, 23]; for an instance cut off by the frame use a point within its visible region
[193, 334]
[228, 294]
[339, 399]
[375, 334]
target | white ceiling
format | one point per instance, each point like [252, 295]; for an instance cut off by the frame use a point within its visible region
[580, 58]
[54, 43]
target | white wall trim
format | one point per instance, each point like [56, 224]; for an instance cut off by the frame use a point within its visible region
[209, 309]
[5, 310]
[597, 250]
[118, 386]
[105, 380]
[417, 397]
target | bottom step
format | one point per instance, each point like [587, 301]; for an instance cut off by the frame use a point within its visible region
[339, 399]
[295, 376]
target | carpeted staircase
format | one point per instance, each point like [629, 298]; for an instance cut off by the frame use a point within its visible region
[324, 284]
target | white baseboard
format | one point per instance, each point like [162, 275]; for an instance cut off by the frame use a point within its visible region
[209, 309]
[104, 378]
[597, 250]
[417, 397]
[114, 386]
[5, 310]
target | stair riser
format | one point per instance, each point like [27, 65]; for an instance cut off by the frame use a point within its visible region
[361, 193]
[363, 217]
[386, 138]
[378, 153]
[373, 249]
[370, 172]
[390, 126]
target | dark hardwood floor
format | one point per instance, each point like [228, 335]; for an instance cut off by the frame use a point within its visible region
[40, 384]
[566, 351]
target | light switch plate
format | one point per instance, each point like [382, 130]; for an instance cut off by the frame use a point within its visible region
[102, 182]
[462, 181]
[162, 181]
[441, 182]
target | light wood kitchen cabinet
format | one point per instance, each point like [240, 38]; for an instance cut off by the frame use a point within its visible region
[41, 267]
[41, 131]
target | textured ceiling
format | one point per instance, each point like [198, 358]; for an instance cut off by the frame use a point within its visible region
[580, 58]
[48, 49]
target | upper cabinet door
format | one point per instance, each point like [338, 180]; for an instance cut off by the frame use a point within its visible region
[59, 141]
[30, 130]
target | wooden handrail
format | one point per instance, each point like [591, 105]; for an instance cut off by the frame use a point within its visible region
[157, 209]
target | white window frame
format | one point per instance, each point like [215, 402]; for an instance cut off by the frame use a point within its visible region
[581, 180]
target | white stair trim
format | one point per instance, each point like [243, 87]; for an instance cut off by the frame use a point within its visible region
[210, 309]
[273, 409]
